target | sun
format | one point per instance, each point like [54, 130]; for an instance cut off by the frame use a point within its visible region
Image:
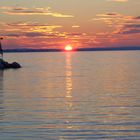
[68, 48]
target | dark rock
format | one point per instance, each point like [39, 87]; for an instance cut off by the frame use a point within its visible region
[15, 65]
[6, 65]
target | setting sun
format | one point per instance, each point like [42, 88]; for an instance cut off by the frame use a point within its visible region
[68, 48]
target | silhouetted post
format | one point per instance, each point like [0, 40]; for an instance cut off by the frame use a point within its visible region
[1, 50]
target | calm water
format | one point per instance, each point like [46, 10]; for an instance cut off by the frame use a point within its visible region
[80, 95]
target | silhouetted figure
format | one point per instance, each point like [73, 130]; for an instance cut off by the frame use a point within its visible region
[1, 50]
[4, 64]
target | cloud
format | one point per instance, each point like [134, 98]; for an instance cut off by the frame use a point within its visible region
[22, 11]
[75, 26]
[29, 30]
[12, 35]
[121, 29]
[138, 17]
[118, 0]
[75, 34]
[130, 31]
[113, 18]
[120, 23]
[34, 34]
[36, 27]
[132, 26]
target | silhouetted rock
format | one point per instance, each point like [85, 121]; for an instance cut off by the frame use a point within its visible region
[6, 65]
[15, 65]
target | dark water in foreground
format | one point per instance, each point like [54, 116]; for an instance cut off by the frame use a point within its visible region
[80, 95]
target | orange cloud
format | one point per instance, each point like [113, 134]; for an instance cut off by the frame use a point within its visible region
[119, 22]
[75, 26]
[39, 35]
[24, 26]
[118, 0]
[33, 11]
[119, 31]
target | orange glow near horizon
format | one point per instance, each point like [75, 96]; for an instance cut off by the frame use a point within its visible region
[68, 48]
[47, 25]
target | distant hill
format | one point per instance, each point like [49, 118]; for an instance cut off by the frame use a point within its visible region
[109, 49]
[78, 49]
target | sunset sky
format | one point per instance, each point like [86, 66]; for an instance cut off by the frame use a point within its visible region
[81, 23]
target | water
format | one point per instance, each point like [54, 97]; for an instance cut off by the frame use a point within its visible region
[64, 96]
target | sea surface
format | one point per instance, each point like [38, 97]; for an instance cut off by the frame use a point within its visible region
[71, 96]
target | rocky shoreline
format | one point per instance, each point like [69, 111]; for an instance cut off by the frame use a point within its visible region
[6, 65]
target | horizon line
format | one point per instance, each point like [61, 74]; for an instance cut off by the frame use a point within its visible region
[77, 49]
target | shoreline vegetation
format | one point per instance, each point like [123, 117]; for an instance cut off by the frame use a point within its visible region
[78, 49]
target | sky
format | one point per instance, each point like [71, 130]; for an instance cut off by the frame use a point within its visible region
[44, 24]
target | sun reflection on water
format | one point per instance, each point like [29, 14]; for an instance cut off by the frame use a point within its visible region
[68, 76]
[69, 88]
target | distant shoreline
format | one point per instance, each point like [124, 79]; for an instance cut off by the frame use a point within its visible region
[79, 49]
